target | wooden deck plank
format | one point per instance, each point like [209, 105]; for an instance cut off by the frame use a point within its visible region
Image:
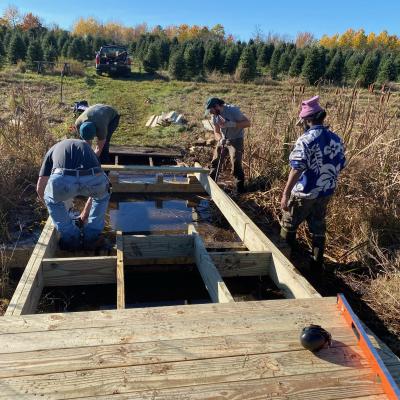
[29, 289]
[165, 187]
[213, 281]
[282, 271]
[120, 277]
[242, 263]
[324, 386]
[299, 309]
[160, 376]
[156, 351]
[170, 169]
[147, 329]
[157, 246]
[73, 271]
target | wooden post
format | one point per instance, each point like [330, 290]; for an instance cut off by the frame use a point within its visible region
[120, 271]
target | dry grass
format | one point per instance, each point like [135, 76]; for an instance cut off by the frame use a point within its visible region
[24, 138]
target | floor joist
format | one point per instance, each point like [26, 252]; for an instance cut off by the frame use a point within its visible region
[30, 286]
[215, 285]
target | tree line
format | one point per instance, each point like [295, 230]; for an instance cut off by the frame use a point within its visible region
[194, 53]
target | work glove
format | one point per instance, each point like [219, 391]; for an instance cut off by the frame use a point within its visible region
[222, 142]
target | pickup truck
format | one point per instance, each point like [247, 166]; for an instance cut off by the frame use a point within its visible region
[113, 60]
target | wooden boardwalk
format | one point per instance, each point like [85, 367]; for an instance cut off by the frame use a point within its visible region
[223, 351]
[247, 350]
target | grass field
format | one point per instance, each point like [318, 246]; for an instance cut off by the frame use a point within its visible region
[364, 220]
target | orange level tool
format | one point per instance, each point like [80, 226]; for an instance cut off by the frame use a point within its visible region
[383, 375]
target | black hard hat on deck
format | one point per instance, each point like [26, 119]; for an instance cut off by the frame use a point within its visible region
[314, 338]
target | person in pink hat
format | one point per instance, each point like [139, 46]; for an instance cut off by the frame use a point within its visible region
[315, 161]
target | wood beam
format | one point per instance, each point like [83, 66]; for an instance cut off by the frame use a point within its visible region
[27, 294]
[138, 248]
[242, 263]
[73, 271]
[165, 187]
[282, 271]
[120, 272]
[171, 169]
[215, 285]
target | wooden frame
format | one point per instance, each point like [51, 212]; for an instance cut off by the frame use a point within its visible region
[263, 257]
[282, 271]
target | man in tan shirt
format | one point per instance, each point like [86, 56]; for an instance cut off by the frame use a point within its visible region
[101, 120]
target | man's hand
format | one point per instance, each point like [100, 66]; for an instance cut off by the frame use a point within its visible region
[285, 202]
[223, 123]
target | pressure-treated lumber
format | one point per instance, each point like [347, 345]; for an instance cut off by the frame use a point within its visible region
[30, 286]
[153, 352]
[242, 263]
[137, 247]
[282, 271]
[120, 272]
[154, 170]
[73, 271]
[215, 285]
[165, 187]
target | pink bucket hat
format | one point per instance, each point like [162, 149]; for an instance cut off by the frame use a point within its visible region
[310, 107]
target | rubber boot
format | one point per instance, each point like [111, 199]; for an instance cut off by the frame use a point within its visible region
[240, 187]
[290, 238]
[318, 248]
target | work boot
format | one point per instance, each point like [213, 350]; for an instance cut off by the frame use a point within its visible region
[290, 238]
[318, 248]
[240, 187]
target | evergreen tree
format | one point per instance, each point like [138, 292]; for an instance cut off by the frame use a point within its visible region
[247, 69]
[151, 61]
[314, 65]
[387, 70]
[397, 66]
[65, 49]
[61, 39]
[16, 49]
[231, 60]
[50, 53]
[191, 66]
[212, 57]
[49, 39]
[297, 63]
[352, 66]
[335, 68]
[264, 54]
[284, 62]
[76, 49]
[274, 63]
[177, 65]
[164, 52]
[369, 69]
[34, 53]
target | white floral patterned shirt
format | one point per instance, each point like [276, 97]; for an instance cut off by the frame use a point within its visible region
[319, 153]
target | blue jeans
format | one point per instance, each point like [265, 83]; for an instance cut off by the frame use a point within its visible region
[62, 187]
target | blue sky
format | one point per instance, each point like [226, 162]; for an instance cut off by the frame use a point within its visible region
[238, 17]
